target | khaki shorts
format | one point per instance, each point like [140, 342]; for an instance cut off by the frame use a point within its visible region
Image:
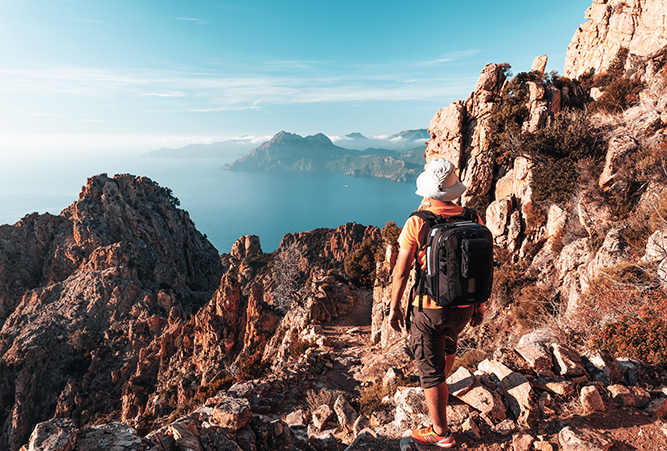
[433, 335]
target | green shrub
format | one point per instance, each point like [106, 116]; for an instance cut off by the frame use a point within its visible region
[298, 346]
[360, 264]
[556, 151]
[510, 111]
[535, 306]
[251, 366]
[618, 96]
[639, 338]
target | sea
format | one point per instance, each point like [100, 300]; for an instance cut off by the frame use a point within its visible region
[224, 205]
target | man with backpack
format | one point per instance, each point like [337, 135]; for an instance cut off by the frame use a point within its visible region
[453, 252]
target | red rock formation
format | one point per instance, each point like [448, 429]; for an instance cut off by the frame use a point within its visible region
[84, 293]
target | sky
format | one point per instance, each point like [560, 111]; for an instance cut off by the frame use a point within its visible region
[141, 74]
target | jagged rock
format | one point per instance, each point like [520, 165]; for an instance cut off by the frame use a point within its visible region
[497, 216]
[539, 64]
[58, 434]
[106, 268]
[485, 401]
[632, 396]
[512, 360]
[516, 389]
[230, 413]
[296, 419]
[458, 414]
[657, 407]
[615, 250]
[505, 427]
[538, 356]
[560, 387]
[567, 361]
[324, 441]
[346, 413]
[114, 436]
[246, 247]
[460, 382]
[470, 428]
[321, 416]
[591, 400]
[611, 25]
[615, 177]
[572, 439]
[603, 367]
[522, 441]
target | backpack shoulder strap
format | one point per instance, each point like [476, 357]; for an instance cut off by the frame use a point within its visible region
[429, 218]
[470, 214]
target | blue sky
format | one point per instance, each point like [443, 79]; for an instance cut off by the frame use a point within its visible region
[146, 73]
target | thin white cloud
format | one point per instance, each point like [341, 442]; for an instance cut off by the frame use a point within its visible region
[210, 91]
[191, 19]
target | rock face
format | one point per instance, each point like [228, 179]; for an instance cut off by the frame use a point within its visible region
[94, 285]
[638, 25]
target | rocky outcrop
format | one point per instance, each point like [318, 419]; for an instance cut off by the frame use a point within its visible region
[95, 285]
[638, 25]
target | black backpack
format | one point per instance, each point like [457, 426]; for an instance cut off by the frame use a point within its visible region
[459, 259]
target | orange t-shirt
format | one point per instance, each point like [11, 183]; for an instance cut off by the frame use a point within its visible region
[413, 231]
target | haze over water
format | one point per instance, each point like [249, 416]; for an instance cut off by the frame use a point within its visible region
[223, 204]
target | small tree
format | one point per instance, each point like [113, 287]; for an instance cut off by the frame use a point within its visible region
[287, 276]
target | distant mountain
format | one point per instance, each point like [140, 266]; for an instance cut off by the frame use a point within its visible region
[291, 152]
[224, 149]
[405, 140]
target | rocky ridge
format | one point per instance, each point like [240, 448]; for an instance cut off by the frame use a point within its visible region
[134, 344]
[638, 25]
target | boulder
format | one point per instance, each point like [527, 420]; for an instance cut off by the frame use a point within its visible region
[460, 382]
[572, 439]
[567, 361]
[114, 436]
[57, 434]
[591, 400]
[537, 355]
[516, 389]
[321, 416]
[657, 407]
[632, 396]
[231, 413]
[522, 441]
[603, 367]
[345, 413]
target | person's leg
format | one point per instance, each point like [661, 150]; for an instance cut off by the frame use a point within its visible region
[436, 400]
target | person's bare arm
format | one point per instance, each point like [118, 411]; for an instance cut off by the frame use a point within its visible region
[398, 284]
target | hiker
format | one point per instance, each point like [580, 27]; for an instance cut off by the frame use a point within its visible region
[433, 330]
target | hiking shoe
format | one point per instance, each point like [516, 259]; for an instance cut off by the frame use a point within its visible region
[427, 436]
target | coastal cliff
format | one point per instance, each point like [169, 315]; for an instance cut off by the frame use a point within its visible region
[122, 327]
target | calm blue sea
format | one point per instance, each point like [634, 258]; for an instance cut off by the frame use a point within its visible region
[223, 204]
